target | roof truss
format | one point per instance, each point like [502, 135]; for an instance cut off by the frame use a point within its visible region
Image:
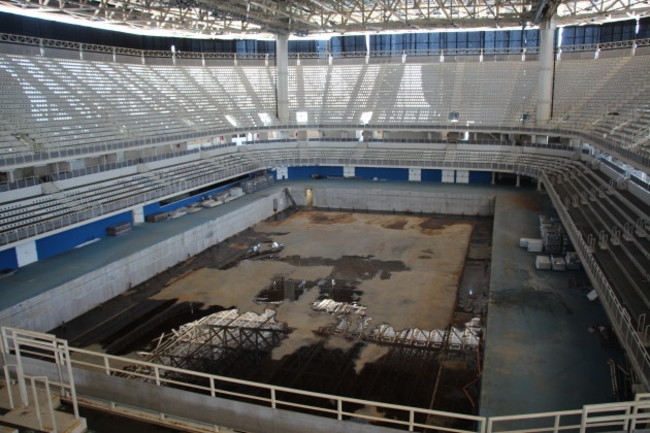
[304, 17]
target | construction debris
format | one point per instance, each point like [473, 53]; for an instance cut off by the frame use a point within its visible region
[202, 343]
[354, 324]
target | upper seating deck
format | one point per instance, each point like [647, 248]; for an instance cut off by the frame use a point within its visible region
[50, 104]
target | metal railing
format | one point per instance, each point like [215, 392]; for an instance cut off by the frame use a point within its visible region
[621, 416]
[605, 46]
[80, 47]
[18, 343]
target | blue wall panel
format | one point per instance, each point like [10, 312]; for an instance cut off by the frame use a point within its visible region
[306, 172]
[8, 259]
[382, 173]
[482, 177]
[67, 240]
[430, 175]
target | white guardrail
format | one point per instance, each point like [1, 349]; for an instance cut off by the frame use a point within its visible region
[17, 344]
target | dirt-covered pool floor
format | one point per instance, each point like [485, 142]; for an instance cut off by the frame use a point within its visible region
[405, 269]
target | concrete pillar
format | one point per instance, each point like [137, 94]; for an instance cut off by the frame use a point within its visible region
[546, 65]
[282, 173]
[26, 253]
[138, 215]
[494, 177]
[282, 84]
[539, 184]
[518, 181]
[415, 174]
[349, 171]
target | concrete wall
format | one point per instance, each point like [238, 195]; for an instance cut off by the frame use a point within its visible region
[400, 201]
[203, 408]
[63, 303]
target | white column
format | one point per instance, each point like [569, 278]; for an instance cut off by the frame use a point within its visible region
[462, 176]
[282, 85]
[26, 253]
[518, 181]
[282, 173]
[448, 176]
[415, 174]
[138, 215]
[546, 65]
[494, 177]
[349, 171]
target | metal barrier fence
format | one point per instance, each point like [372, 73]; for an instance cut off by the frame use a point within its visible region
[622, 416]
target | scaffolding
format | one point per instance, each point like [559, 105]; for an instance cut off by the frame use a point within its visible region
[201, 345]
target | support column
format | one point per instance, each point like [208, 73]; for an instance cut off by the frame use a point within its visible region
[546, 65]
[282, 84]
[494, 177]
[518, 181]
[138, 215]
[539, 184]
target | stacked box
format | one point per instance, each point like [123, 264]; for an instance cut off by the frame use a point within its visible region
[523, 242]
[157, 217]
[558, 263]
[542, 262]
[535, 245]
[552, 233]
[553, 240]
[236, 192]
[118, 229]
[257, 183]
[572, 261]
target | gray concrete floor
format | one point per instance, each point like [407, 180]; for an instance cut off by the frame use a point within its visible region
[538, 356]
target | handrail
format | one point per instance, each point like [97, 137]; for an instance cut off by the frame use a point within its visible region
[154, 374]
[592, 417]
[430, 52]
